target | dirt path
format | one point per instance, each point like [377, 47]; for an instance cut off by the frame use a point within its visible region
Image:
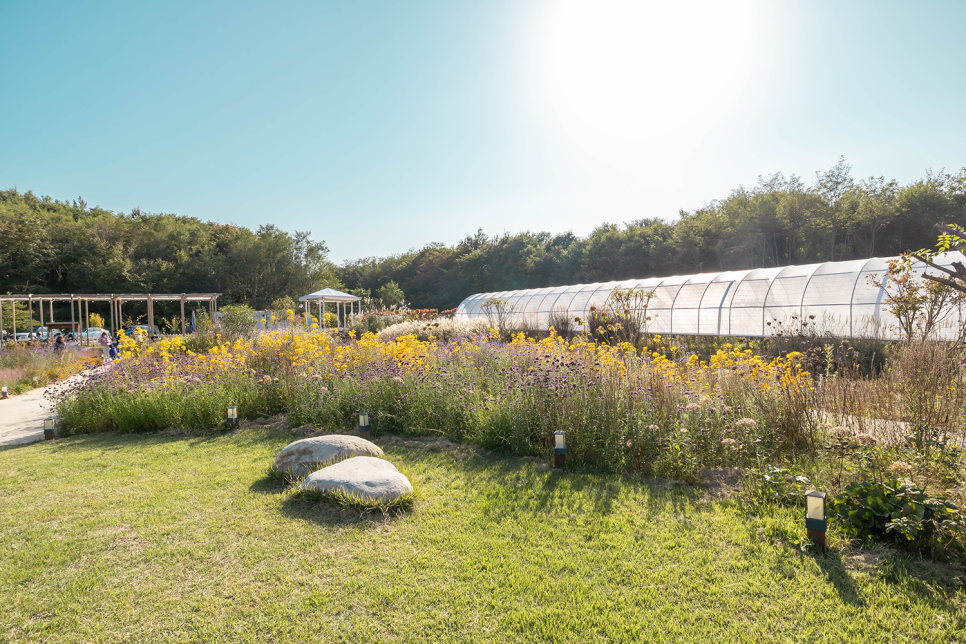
[22, 417]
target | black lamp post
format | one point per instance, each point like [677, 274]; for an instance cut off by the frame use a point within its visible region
[559, 448]
[363, 425]
[816, 521]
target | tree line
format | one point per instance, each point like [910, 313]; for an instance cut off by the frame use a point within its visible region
[778, 222]
[50, 246]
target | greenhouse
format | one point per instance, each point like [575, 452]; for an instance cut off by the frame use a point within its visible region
[843, 299]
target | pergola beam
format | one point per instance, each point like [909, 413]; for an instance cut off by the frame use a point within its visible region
[116, 300]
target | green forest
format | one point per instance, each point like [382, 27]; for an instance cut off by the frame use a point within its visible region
[51, 246]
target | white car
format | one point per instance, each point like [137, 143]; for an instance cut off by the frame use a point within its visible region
[92, 334]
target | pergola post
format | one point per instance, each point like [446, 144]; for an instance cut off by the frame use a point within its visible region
[150, 315]
[30, 315]
[182, 315]
[87, 318]
[1, 321]
[41, 307]
[73, 323]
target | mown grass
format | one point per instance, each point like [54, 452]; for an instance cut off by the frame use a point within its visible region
[136, 538]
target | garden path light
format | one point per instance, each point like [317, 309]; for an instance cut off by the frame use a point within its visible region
[816, 522]
[363, 425]
[49, 429]
[233, 416]
[559, 448]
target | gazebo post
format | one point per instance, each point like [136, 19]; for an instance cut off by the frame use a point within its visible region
[73, 323]
[87, 320]
[182, 314]
[42, 316]
[1, 321]
[13, 312]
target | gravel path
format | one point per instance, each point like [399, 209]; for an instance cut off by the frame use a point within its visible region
[22, 417]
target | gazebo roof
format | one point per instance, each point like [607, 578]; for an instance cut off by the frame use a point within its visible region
[329, 295]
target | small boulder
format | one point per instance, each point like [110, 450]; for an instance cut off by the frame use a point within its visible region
[363, 477]
[309, 454]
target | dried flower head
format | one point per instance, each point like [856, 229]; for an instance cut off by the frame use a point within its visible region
[653, 428]
[900, 467]
[727, 442]
[840, 431]
[866, 439]
[398, 380]
[693, 407]
[746, 423]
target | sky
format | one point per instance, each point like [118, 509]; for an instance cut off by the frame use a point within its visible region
[384, 126]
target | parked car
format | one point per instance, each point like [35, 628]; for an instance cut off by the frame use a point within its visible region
[38, 333]
[132, 330]
[92, 334]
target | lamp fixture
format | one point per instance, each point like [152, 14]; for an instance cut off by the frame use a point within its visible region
[559, 448]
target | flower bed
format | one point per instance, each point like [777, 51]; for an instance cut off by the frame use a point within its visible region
[654, 414]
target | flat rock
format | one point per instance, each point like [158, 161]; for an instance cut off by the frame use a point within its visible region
[363, 477]
[309, 454]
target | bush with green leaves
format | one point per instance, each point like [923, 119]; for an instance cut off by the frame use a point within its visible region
[237, 322]
[870, 510]
[773, 484]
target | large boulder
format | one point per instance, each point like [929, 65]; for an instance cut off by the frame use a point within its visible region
[362, 477]
[309, 454]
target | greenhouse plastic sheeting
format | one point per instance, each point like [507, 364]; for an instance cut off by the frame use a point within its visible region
[845, 299]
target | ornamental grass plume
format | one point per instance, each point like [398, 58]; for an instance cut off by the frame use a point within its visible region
[840, 432]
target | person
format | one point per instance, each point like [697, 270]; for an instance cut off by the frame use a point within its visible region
[59, 343]
[105, 342]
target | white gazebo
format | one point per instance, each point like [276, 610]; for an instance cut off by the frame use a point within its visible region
[330, 296]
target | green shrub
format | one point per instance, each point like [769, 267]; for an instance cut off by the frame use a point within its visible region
[871, 510]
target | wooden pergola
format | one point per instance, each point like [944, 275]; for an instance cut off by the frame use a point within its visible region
[117, 300]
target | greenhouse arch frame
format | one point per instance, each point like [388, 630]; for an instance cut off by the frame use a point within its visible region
[843, 299]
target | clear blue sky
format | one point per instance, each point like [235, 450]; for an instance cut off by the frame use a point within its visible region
[382, 126]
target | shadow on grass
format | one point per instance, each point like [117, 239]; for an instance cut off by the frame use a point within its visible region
[833, 567]
[268, 484]
[508, 481]
[330, 513]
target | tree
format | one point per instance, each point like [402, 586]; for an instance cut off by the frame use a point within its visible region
[391, 295]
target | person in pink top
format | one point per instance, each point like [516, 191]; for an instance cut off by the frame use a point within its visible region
[105, 342]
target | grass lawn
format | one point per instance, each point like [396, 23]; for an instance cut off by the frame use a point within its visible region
[151, 538]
